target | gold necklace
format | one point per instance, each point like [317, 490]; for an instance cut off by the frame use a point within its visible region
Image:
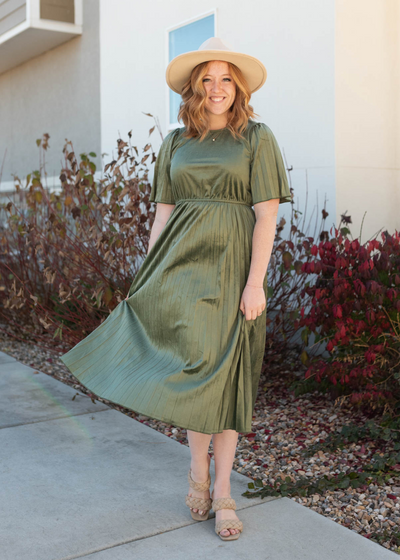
[220, 131]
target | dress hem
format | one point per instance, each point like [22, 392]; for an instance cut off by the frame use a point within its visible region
[161, 419]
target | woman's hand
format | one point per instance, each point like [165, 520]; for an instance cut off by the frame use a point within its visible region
[252, 302]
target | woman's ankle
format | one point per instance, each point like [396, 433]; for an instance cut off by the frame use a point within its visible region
[200, 469]
[222, 489]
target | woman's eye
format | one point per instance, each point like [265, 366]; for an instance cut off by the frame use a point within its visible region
[206, 79]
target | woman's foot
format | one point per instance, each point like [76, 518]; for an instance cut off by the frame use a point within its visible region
[200, 474]
[223, 514]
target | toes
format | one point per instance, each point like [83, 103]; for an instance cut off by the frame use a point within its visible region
[225, 533]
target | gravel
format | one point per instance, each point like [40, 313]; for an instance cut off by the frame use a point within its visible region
[282, 427]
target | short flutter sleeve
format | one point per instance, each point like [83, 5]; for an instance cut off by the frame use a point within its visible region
[161, 189]
[268, 177]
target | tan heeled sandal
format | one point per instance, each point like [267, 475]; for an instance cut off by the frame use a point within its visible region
[203, 504]
[226, 503]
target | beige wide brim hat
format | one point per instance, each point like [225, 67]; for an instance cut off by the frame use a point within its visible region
[179, 69]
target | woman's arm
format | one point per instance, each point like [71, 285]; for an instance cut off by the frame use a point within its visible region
[253, 300]
[163, 212]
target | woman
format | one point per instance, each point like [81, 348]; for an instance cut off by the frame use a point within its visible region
[186, 346]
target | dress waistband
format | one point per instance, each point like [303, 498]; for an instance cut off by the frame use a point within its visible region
[212, 200]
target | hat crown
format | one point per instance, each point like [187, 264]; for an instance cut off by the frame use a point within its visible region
[214, 44]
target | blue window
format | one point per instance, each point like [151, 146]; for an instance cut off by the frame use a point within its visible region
[183, 39]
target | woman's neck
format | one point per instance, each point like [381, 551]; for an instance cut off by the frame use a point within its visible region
[217, 121]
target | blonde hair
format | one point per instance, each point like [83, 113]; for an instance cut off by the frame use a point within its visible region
[192, 111]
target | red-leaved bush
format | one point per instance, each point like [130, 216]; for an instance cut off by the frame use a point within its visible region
[355, 305]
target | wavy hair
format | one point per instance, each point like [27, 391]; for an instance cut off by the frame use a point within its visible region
[192, 108]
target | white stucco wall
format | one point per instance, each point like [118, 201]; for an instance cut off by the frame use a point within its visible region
[368, 114]
[295, 41]
[332, 95]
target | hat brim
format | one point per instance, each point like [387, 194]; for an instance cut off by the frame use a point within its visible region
[179, 69]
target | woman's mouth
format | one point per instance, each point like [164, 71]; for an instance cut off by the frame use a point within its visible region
[217, 99]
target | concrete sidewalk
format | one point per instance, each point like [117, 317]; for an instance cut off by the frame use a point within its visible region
[81, 480]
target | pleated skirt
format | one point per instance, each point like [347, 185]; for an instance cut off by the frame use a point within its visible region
[179, 348]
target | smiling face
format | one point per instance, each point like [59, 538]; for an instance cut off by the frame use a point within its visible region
[220, 89]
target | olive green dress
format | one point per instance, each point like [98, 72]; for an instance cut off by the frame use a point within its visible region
[179, 348]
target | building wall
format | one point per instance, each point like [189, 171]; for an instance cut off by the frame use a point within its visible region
[55, 93]
[332, 95]
[367, 116]
[295, 41]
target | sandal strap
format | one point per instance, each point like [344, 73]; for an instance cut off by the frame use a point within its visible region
[228, 524]
[223, 503]
[199, 486]
[198, 503]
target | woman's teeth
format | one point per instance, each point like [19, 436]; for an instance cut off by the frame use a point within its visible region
[217, 99]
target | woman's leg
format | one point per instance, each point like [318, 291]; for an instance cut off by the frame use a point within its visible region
[224, 446]
[200, 464]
